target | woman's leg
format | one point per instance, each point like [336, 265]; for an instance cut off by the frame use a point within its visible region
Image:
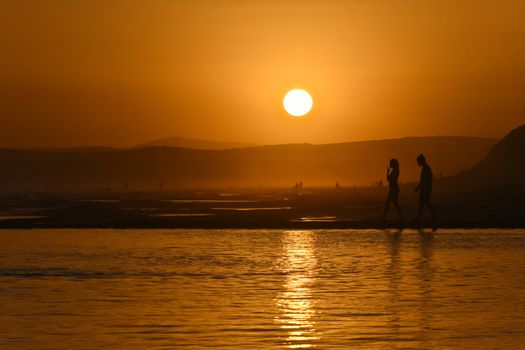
[398, 209]
[387, 207]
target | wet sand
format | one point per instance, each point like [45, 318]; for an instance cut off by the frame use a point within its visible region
[279, 208]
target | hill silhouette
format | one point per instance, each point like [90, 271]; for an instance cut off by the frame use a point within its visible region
[352, 163]
[503, 167]
[183, 142]
[491, 192]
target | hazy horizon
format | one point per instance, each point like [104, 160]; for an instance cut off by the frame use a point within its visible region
[248, 143]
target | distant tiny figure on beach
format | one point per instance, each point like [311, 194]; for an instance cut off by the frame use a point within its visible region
[425, 190]
[392, 176]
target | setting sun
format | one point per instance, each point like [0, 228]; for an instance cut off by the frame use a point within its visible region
[297, 102]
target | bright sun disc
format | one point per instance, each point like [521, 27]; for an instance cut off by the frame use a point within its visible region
[297, 102]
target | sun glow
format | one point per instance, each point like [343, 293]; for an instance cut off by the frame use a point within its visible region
[297, 102]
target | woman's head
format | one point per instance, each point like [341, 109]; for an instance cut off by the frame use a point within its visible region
[394, 164]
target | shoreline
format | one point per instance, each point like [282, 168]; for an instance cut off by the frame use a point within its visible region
[341, 225]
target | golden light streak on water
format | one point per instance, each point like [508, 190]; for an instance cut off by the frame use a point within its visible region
[296, 304]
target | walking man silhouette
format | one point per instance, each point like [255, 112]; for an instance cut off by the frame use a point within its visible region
[392, 175]
[425, 190]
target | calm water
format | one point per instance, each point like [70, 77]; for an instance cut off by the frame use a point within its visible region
[162, 289]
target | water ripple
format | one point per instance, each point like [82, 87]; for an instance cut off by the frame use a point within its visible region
[262, 289]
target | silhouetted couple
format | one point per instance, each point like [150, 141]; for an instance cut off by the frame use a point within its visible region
[424, 188]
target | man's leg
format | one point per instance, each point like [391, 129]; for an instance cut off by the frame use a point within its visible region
[433, 213]
[420, 210]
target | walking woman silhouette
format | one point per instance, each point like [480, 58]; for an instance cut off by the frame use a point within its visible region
[392, 176]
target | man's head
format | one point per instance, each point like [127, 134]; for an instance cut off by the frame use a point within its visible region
[421, 160]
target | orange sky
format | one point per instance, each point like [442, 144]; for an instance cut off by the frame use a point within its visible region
[123, 72]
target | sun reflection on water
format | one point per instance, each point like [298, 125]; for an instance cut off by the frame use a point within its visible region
[295, 303]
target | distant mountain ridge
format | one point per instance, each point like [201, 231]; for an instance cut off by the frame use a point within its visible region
[352, 163]
[183, 142]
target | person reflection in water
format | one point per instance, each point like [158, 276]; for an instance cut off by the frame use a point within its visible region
[392, 176]
[425, 190]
